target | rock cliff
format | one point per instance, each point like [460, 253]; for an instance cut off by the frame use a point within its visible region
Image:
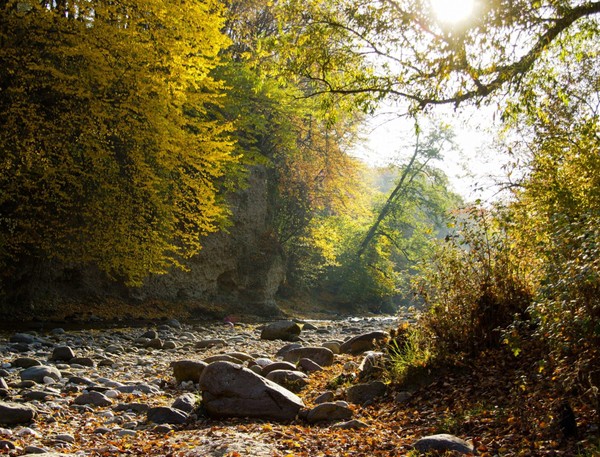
[240, 268]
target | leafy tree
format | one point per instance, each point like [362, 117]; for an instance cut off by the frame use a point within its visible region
[109, 152]
[556, 212]
[398, 49]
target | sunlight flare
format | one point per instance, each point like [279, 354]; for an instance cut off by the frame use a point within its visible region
[452, 11]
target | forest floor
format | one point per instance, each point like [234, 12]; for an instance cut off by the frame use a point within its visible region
[505, 405]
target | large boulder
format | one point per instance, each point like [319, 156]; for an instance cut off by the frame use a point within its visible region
[15, 413]
[319, 355]
[281, 330]
[229, 390]
[363, 342]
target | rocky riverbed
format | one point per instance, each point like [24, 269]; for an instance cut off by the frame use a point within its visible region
[184, 390]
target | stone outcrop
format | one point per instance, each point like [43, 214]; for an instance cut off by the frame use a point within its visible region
[243, 266]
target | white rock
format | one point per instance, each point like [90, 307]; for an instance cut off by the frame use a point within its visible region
[26, 431]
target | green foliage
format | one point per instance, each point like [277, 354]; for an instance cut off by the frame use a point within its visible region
[109, 155]
[398, 49]
[557, 213]
[411, 354]
[473, 287]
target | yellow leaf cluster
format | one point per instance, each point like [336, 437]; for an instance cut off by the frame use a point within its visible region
[108, 152]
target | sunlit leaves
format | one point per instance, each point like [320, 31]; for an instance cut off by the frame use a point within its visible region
[108, 154]
[400, 49]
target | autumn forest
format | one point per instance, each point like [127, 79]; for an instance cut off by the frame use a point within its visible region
[200, 155]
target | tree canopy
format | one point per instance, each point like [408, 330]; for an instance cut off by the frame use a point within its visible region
[109, 151]
[398, 48]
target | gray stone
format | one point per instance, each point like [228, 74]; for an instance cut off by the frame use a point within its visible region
[281, 330]
[150, 334]
[292, 380]
[319, 355]
[363, 342]
[19, 347]
[241, 356]
[186, 402]
[35, 450]
[230, 390]
[222, 358]
[62, 354]
[135, 407]
[162, 429]
[277, 366]
[166, 415]
[93, 398]
[6, 445]
[144, 388]
[325, 397]
[187, 370]
[174, 323]
[25, 362]
[169, 345]
[24, 338]
[333, 346]
[65, 437]
[256, 369]
[155, 343]
[371, 365]
[204, 344]
[309, 366]
[402, 397]
[80, 380]
[45, 453]
[363, 393]
[287, 348]
[38, 395]
[38, 373]
[354, 424]
[443, 442]
[328, 412]
[83, 361]
[15, 413]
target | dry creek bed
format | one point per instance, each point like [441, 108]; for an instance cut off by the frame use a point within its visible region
[128, 371]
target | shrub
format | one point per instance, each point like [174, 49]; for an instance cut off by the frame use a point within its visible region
[473, 286]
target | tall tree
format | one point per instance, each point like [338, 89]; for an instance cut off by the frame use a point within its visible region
[109, 153]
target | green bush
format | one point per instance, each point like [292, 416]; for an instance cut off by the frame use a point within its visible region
[473, 286]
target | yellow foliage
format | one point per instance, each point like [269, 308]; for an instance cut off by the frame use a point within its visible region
[108, 153]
